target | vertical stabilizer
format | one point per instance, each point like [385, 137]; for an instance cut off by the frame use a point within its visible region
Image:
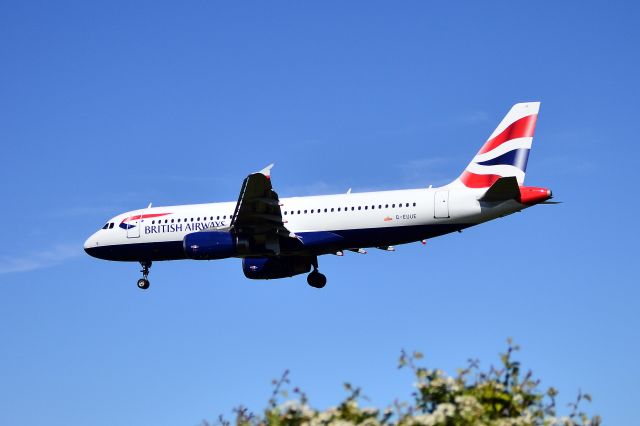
[506, 151]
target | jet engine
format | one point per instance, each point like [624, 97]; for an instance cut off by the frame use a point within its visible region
[205, 245]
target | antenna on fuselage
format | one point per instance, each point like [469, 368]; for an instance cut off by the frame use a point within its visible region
[149, 206]
[349, 191]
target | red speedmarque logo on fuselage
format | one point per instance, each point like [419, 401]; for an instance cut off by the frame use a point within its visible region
[125, 225]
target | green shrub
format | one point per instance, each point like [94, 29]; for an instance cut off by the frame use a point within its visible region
[498, 397]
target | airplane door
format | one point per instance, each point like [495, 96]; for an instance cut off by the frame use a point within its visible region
[133, 228]
[441, 205]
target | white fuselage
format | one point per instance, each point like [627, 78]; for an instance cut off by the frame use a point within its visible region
[369, 219]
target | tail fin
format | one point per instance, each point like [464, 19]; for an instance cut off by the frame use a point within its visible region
[506, 151]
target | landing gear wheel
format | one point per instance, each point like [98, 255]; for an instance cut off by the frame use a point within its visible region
[316, 279]
[143, 282]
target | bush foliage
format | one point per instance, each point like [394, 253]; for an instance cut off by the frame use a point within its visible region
[503, 396]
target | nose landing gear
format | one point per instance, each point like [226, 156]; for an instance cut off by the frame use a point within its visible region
[143, 283]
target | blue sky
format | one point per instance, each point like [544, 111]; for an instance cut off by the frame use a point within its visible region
[106, 107]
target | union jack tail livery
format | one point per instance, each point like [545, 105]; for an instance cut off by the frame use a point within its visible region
[506, 151]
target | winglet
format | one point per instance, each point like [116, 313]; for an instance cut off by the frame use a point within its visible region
[267, 171]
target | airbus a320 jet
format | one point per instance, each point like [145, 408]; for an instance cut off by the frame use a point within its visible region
[282, 237]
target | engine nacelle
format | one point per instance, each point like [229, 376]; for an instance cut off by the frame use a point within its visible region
[266, 268]
[210, 245]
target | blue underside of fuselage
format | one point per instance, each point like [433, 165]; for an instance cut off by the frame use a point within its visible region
[314, 245]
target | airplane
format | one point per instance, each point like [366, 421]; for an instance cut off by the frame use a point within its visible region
[283, 237]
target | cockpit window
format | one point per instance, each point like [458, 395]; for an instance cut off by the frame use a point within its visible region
[111, 225]
[106, 225]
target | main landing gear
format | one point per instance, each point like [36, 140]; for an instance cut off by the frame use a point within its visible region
[143, 282]
[315, 279]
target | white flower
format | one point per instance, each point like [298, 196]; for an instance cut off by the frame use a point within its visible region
[448, 410]
[352, 405]
[424, 420]
[341, 422]
[370, 422]
[370, 410]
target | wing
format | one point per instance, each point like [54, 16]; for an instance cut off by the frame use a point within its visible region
[257, 215]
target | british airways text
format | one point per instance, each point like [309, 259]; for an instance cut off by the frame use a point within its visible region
[182, 227]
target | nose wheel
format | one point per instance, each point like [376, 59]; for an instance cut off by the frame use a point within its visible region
[143, 283]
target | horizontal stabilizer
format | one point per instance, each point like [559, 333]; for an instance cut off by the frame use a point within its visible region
[505, 188]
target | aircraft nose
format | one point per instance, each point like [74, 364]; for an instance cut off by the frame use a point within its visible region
[90, 244]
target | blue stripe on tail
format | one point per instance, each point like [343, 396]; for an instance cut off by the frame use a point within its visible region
[517, 157]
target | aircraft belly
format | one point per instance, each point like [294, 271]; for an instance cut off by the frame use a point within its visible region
[159, 250]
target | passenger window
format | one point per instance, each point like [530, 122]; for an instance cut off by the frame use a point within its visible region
[311, 211]
[224, 217]
[325, 210]
[414, 204]
[217, 217]
[373, 207]
[166, 221]
[365, 207]
[338, 208]
[171, 220]
[407, 205]
[285, 212]
[386, 206]
[305, 212]
[153, 222]
[331, 209]
[393, 206]
[400, 205]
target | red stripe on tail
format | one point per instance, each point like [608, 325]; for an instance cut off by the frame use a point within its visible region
[522, 128]
[472, 180]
